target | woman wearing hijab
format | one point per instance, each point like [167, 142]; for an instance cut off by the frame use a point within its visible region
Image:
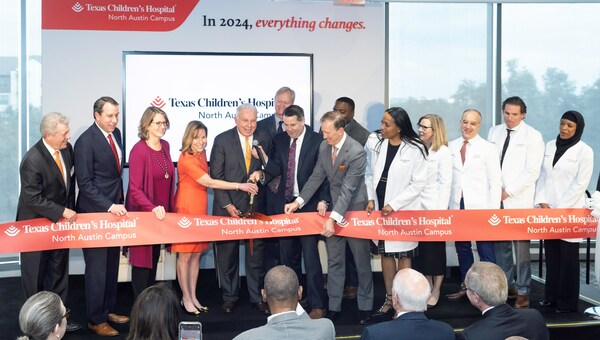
[565, 175]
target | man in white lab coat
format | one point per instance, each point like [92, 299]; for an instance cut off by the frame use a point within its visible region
[521, 151]
[476, 184]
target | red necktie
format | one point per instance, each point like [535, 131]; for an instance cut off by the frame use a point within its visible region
[463, 151]
[114, 150]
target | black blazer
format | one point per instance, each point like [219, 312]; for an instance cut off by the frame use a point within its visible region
[277, 166]
[99, 180]
[43, 191]
[503, 321]
[267, 126]
[227, 163]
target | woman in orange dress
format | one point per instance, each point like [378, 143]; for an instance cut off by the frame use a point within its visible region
[191, 198]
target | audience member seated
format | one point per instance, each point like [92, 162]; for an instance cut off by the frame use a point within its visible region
[487, 289]
[43, 316]
[282, 293]
[155, 314]
[410, 293]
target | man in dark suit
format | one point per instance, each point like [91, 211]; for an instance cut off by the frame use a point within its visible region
[292, 158]
[48, 190]
[231, 160]
[282, 291]
[98, 165]
[410, 292]
[342, 161]
[487, 289]
[345, 106]
[272, 125]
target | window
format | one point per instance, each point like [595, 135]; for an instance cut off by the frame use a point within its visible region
[437, 61]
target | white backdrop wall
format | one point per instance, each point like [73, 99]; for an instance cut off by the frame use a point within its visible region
[79, 66]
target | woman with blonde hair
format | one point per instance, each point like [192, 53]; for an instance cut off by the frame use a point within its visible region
[191, 198]
[431, 261]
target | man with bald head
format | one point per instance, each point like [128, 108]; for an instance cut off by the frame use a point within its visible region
[410, 292]
[476, 184]
[282, 292]
[487, 289]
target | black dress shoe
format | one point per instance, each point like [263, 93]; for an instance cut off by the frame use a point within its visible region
[547, 304]
[72, 326]
[364, 316]
[331, 315]
[263, 308]
[228, 306]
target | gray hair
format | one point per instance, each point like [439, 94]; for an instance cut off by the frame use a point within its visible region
[284, 90]
[40, 314]
[488, 281]
[246, 106]
[51, 121]
[412, 289]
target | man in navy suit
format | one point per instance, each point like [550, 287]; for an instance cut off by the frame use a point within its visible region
[291, 161]
[410, 292]
[231, 160]
[48, 190]
[487, 289]
[98, 165]
[273, 125]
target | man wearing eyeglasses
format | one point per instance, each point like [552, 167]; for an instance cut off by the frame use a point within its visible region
[487, 290]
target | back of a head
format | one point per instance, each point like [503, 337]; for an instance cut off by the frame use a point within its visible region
[489, 282]
[412, 290]
[281, 286]
[40, 314]
[155, 315]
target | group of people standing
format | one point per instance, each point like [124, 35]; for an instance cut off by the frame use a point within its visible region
[342, 169]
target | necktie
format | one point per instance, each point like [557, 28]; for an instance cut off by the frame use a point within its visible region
[506, 141]
[280, 127]
[114, 150]
[463, 151]
[334, 155]
[59, 164]
[248, 155]
[291, 167]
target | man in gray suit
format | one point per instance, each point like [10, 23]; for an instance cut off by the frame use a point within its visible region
[345, 106]
[282, 292]
[342, 160]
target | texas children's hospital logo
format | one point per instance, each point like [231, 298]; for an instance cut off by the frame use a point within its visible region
[12, 231]
[77, 7]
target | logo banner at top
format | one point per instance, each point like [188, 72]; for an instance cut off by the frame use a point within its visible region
[116, 15]
[107, 230]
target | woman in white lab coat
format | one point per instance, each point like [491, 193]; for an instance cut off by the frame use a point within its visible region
[565, 175]
[395, 177]
[431, 261]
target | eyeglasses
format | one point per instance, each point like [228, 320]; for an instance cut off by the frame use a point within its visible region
[424, 127]
[160, 123]
[67, 314]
